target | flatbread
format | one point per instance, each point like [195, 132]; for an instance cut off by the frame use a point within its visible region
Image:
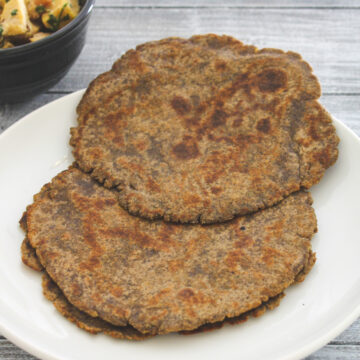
[160, 277]
[203, 129]
[28, 256]
[95, 325]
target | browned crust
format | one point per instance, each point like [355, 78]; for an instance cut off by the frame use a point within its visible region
[271, 304]
[317, 142]
[93, 325]
[93, 250]
[300, 277]
[180, 149]
[96, 325]
[28, 256]
[52, 292]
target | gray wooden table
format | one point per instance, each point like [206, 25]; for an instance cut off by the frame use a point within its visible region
[326, 33]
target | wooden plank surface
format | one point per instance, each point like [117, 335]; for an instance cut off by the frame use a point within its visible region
[319, 35]
[231, 3]
[326, 33]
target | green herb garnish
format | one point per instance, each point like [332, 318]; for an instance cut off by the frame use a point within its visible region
[54, 21]
[1, 30]
[7, 1]
[14, 12]
[40, 9]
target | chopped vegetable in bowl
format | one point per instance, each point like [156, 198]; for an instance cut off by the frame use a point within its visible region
[24, 21]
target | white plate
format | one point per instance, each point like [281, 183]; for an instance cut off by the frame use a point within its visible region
[36, 148]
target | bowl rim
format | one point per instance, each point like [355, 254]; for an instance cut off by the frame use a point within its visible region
[16, 50]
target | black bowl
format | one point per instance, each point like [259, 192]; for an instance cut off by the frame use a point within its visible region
[29, 69]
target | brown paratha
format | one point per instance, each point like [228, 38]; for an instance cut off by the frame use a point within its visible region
[93, 325]
[201, 130]
[28, 256]
[160, 277]
[96, 325]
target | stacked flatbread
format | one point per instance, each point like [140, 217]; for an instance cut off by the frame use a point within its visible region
[185, 207]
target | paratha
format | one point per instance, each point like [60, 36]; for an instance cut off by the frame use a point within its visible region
[160, 277]
[51, 291]
[95, 325]
[199, 130]
[28, 256]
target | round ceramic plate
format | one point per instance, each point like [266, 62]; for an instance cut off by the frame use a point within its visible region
[313, 312]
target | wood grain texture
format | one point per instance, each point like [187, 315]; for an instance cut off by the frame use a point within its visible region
[231, 3]
[9, 351]
[350, 336]
[332, 49]
[335, 352]
[326, 33]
